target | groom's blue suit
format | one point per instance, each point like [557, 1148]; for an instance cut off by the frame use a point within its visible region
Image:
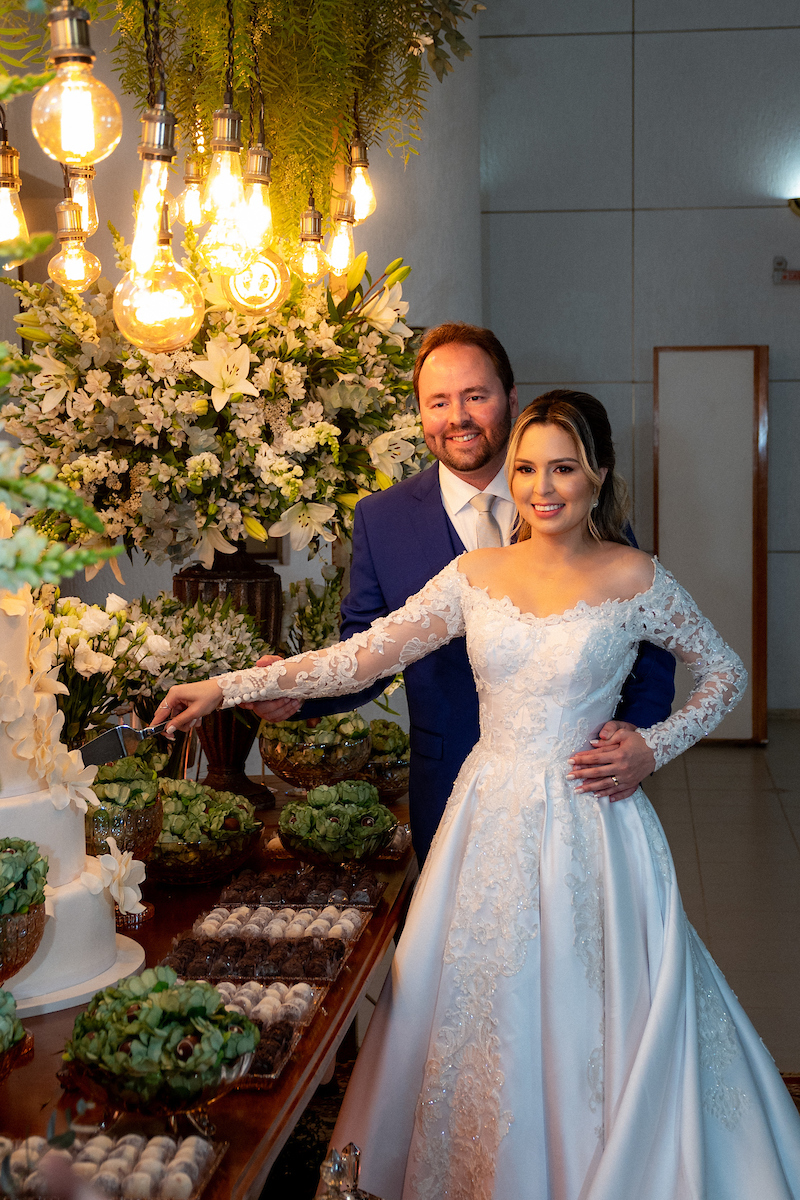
[402, 538]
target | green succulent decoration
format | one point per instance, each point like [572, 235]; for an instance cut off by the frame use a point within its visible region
[127, 783]
[11, 1030]
[23, 874]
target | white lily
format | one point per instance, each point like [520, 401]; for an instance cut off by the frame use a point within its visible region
[226, 370]
[388, 450]
[57, 377]
[211, 539]
[385, 310]
[302, 521]
[120, 873]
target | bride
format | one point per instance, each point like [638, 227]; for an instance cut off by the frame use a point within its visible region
[553, 1028]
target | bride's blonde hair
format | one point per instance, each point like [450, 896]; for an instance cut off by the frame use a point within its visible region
[583, 417]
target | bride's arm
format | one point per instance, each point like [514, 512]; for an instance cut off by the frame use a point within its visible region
[673, 620]
[426, 621]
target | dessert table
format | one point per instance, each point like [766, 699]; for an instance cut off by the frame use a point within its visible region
[255, 1123]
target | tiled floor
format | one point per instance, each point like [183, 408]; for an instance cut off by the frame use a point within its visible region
[732, 816]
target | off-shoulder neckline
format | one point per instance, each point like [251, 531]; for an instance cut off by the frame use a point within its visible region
[577, 610]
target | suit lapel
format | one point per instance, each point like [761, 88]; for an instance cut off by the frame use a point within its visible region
[436, 537]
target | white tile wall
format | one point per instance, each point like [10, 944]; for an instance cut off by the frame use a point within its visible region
[716, 118]
[705, 278]
[784, 464]
[557, 292]
[556, 123]
[515, 17]
[715, 14]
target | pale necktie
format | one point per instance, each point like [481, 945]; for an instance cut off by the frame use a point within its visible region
[488, 530]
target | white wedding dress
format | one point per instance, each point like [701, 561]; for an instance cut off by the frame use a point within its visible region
[553, 1028]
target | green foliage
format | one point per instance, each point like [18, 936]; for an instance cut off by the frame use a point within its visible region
[23, 874]
[314, 58]
[24, 249]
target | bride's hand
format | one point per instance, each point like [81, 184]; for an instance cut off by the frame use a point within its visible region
[185, 705]
[617, 765]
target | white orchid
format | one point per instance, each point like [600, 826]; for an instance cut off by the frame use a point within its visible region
[302, 521]
[385, 310]
[388, 451]
[120, 873]
[226, 368]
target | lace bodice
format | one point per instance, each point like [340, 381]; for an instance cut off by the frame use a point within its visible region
[545, 684]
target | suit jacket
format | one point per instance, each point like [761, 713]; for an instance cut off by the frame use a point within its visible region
[402, 538]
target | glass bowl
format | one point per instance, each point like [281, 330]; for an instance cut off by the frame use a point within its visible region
[371, 846]
[178, 1092]
[307, 765]
[135, 829]
[390, 778]
[20, 935]
[16, 1055]
[202, 862]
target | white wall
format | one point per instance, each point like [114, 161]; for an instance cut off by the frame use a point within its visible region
[636, 160]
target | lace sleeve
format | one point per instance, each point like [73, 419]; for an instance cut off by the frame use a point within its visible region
[426, 621]
[670, 618]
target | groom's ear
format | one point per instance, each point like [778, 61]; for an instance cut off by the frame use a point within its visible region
[513, 402]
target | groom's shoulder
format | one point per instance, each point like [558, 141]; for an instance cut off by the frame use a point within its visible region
[400, 496]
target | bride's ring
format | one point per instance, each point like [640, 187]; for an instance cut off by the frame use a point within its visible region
[615, 781]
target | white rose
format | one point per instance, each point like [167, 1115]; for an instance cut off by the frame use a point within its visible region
[115, 603]
[95, 621]
[87, 662]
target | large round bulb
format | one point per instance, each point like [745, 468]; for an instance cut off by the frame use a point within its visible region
[310, 262]
[258, 216]
[363, 194]
[341, 249]
[82, 192]
[75, 118]
[75, 268]
[12, 221]
[148, 214]
[161, 310]
[262, 287]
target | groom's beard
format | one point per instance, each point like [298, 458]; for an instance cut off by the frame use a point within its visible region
[475, 454]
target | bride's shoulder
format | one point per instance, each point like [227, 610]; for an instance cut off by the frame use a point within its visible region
[633, 569]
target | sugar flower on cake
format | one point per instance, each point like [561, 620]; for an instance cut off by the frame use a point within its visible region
[70, 782]
[302, 521]
[121, 873]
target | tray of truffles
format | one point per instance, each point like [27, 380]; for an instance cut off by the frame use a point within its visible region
[132, 1167]
[263, 943]
[316, 887]
[281, 1013]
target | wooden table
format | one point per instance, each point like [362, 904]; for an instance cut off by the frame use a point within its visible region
[255, 1123]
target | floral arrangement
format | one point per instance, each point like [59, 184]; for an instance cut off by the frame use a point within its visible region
[194, 813]
[120, 872]
[11, 1030]
[329, 731]
[390, 743]
[311, 612]
[159, 1035]
[203, 639]
[95, 649]
[272, 424]
[127, 783]
[344, 818]
[23, 874]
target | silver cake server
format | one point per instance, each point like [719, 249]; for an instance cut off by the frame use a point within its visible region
[116, 743]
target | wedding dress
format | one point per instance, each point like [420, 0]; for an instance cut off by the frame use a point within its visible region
[553, 1028]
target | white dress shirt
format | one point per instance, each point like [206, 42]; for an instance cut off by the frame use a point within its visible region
[456, 496]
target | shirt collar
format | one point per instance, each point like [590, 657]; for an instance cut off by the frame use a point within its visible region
[457, 492]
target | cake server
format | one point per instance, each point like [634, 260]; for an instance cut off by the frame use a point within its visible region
[116, 743]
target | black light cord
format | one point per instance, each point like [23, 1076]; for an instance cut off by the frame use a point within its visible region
[229, 63]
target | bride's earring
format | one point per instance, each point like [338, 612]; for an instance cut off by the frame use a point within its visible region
[595, 503]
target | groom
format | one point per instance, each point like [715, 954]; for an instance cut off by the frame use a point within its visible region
[404, 536]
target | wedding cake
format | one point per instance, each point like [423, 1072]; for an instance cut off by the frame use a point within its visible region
[44, 792]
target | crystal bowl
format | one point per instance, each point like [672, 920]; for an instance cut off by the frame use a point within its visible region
[371, 846]
[202, 862]
[390, 778]
[180, 1091]
[135, 829]
[307, 765]
[20, 935]
[16, 1056]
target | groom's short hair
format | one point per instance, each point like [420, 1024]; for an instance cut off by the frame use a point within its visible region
[459, 333]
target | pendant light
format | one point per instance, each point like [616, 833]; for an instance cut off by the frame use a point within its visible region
[162, 308]
[82, 192]
[311, 262]
[341, 248]
[75, 118]
[156, 150]
[361, 188]
[12, 219]
[261, 288]
[187, 208]
[75, 268]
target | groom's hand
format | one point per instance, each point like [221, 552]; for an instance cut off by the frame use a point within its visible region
[616, 766]
[272, 710]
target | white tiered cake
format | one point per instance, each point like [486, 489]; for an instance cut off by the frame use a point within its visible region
[43, 796]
